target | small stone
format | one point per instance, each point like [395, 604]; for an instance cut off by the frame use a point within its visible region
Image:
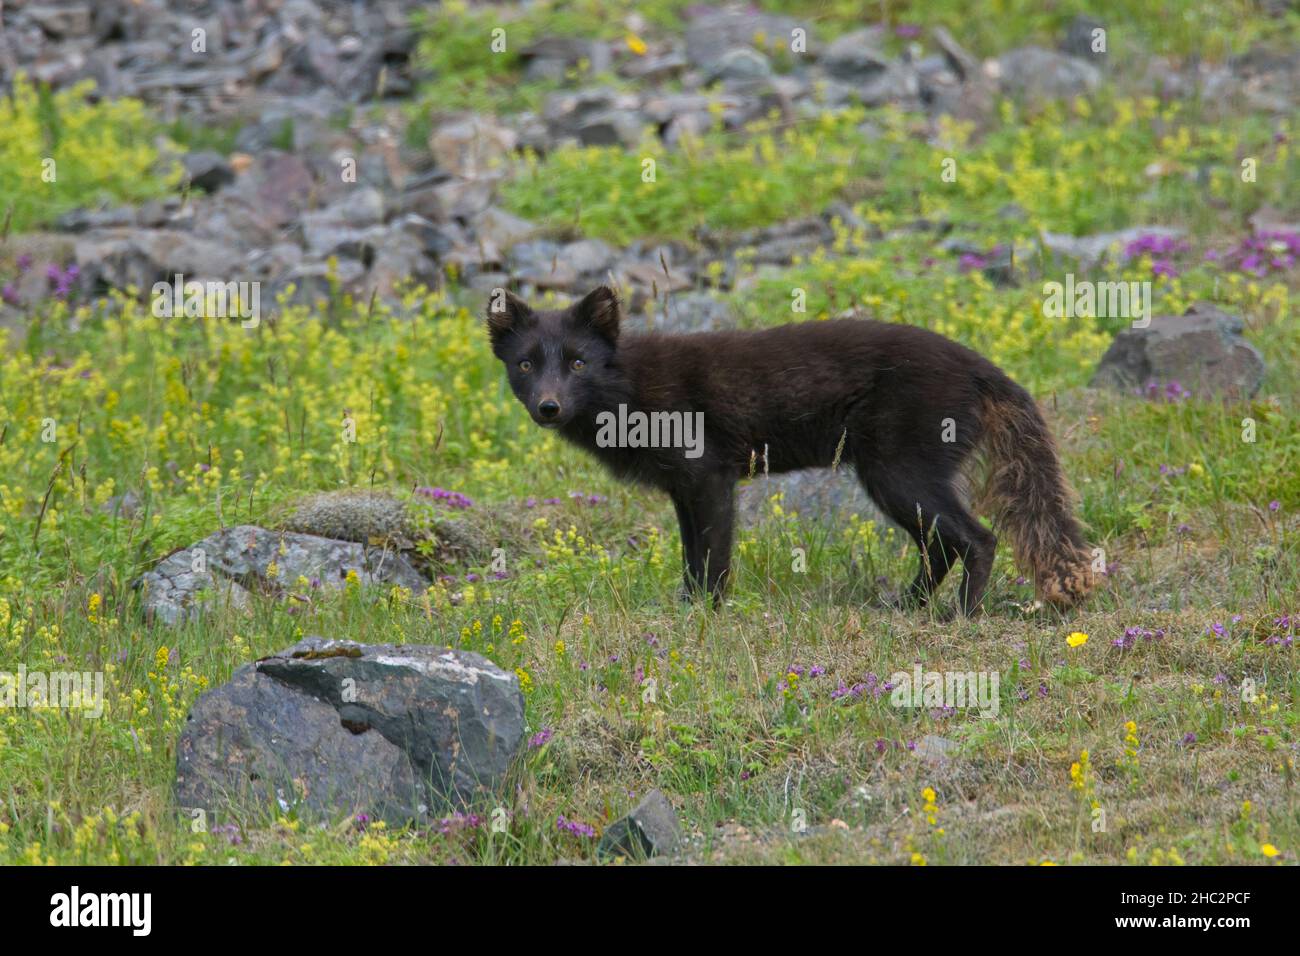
[686, 312]
[741, 64]
[587, 256]
[1034, 74]
[208, 170]
[934, 749]
[649, 830]
[855, 57]
[469, 147]
[1081, 38]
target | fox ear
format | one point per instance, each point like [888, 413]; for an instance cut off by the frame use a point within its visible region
[506, 313]
[599, 311]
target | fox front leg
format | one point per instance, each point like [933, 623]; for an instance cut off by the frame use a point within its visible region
[714, 512]
[693, 581]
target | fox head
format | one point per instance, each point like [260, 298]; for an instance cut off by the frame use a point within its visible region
[562, 363]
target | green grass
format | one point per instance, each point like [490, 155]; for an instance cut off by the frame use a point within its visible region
[724, 182]
[747, 730]
[1077, 169]
[1134, 27]
[466, 72]
[462, 71]
[59, 152]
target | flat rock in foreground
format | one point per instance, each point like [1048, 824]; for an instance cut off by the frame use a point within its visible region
[337, 728]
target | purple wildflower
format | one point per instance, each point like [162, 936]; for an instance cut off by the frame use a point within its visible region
[1264, 252]
[1171, 392]
[1161, 249]
[575, 827]
[458, 821]
[453, 499]
[231, 831]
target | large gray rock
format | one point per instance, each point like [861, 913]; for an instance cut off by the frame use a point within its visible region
[1202, 350]
[898, 84]
[61, 19]
[502, 229]
[316, 283]
[360, 206]
[225, 565]
[336, 728]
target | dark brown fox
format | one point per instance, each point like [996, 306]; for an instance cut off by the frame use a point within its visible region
[914, 412]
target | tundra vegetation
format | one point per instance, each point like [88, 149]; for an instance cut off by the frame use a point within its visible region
[1156, 723]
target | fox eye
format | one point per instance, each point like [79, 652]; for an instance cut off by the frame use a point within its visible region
[578, 364]
[525, 366]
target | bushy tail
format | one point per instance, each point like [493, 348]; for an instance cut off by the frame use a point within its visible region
[1029, 498]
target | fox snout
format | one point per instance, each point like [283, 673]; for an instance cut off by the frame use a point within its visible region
[548, 411]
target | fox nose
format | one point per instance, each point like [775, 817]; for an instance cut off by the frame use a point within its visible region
[549, 408]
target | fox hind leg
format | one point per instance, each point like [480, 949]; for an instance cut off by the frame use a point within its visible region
[945, 532]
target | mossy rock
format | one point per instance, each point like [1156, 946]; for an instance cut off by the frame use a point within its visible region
[353, 514]
[382, 519]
